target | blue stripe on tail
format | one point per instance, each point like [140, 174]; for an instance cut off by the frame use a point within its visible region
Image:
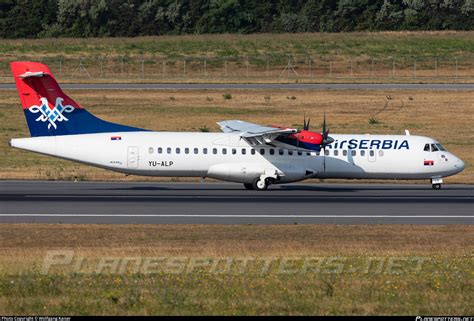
[55, 122]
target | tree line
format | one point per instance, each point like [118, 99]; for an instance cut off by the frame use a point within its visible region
[114, 18]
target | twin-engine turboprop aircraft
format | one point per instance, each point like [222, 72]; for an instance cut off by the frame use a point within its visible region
[247, 153]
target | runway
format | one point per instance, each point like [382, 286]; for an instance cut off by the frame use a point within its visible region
[290, 86]
[226, 203]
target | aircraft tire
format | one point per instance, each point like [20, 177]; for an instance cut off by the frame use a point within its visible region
[260, 185]
[248, 186]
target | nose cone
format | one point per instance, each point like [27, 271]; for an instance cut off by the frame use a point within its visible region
[459, 165]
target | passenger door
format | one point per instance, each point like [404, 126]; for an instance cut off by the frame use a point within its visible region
[132, 157]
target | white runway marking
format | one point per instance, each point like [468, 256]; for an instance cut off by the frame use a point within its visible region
[237, 216]
[239, 197]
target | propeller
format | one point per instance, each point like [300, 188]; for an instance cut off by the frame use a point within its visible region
[326, 140]
[306, 124]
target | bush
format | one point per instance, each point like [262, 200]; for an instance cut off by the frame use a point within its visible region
[373, 121]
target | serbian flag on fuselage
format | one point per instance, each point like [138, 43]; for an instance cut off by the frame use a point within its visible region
[116, 138]
[428, 163]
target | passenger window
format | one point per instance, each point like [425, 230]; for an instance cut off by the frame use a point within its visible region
[336, 152]
[196, 150]
[272, 151]
[300, 153]
[204, 151]
[150, 150]
[224, 151]
[262, 151]
[362, 153]
[434, 148]
[290, 152]
[353, 152]
[234, 151]
[244, 151]
[160, 150]
[344, 152]
[281, 151]
[326, 152]
[214, 151]
[308, 154]
[177, 151]
[186, 150]
[372, 153]
[380, 153]
[168, 150]
[427, 148]
[318, 153]
[252, 151]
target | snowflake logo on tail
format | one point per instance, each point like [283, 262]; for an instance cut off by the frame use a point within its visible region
[51, 115]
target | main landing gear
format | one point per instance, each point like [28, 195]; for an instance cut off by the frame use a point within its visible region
[261, 183]
[436, 183]
[258, 184]
[248, 186]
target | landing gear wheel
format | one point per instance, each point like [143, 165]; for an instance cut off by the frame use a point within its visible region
[260, 185]
[248, 186]
[436, 186]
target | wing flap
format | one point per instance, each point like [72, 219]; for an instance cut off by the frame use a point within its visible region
[254, 134]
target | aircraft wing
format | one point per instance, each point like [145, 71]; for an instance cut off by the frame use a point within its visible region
[254, 134]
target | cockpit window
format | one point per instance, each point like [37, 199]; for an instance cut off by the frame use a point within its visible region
[434, 147]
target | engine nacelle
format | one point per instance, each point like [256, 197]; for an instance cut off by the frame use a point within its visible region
[247, 173]
[239, 172]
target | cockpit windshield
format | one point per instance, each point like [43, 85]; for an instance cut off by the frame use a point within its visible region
[434, 147]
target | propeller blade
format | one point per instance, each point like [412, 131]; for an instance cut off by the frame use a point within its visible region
[325, 133]
[305, 124]
[324, 124]
[324, 159]
[328, 140]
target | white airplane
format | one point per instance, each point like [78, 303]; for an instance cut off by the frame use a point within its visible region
[247, 153]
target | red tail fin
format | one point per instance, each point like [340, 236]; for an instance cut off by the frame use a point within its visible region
[34, 81]
[49, 111]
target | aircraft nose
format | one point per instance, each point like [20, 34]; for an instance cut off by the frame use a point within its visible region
[459, 164]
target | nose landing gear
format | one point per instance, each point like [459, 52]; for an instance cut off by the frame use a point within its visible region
[436, 183]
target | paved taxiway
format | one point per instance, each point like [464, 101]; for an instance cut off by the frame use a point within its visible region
[216, 203]
[292, 86]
